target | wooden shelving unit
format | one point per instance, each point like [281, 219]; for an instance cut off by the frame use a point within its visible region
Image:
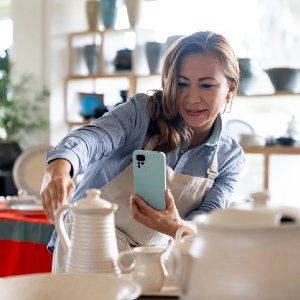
[267, 151]
[110, 37]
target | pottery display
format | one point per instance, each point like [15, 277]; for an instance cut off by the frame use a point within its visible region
[247, 251]
[285, 79]
[9, 152]
[253, 79]
[108, 10]
[147, 269]
[91, 55]
[154, 52]
[251, 139]
[170, 40]
[182, 243]
[123, 59]
[92, 245]
[134, 11]
[286, 141]
[89, 103]
[68, 286]
[92, 14]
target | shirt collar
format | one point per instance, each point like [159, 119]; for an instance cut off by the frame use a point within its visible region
[214, 138]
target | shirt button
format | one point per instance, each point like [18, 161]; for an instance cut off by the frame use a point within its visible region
[181, 151]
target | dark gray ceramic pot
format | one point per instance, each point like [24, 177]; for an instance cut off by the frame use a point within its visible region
[8, 154]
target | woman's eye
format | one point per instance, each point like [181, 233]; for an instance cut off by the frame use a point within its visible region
[207, 86]
[182, 84]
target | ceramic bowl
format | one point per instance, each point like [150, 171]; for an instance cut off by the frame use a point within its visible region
[251, 139]
[286, 141]
[285, 79]
[253, 79]
[68, 286]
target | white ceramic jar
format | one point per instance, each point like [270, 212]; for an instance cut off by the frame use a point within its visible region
[247, 251]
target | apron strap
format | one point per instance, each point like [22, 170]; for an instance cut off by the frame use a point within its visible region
[152, 142]
[212, 171]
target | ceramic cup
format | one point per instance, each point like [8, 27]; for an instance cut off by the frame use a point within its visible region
[146, 268]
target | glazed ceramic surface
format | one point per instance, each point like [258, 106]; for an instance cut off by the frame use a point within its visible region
[68, 286]
[251, 139]
[92, 247]
[134, 11]
[146, 268]
[247, 251]
[177, 275]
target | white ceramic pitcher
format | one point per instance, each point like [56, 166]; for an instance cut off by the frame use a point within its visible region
[180, 248]
[92, 246]
[146, 268]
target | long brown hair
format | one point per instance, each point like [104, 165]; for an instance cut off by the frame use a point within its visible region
[164, 112]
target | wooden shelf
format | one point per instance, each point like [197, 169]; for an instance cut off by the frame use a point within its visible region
[79, 123]
[267, 151]
[278, 93]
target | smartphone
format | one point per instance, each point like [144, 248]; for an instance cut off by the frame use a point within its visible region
[149, 173]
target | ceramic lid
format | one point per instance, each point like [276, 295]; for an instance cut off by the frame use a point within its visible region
[259, 213]
[92, 200]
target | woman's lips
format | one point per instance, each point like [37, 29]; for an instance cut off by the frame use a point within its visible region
[194, 112]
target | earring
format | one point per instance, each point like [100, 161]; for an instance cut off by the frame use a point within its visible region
[228, 101]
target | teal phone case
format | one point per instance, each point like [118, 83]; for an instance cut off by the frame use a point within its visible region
[149, 171]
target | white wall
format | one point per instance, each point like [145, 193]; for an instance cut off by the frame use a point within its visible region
[40, 48]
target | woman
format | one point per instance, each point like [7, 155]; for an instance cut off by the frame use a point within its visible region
[199, 80]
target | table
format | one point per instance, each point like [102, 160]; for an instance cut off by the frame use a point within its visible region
[267, 151]
[158, 298]
[23, 241]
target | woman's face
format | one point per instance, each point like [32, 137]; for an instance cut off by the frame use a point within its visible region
[203, 90]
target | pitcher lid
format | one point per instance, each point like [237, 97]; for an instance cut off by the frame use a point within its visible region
[93, 200]
[257, 214]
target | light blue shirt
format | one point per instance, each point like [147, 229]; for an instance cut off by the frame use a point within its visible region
[103, 149]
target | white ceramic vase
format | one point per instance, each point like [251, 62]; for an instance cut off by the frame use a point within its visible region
[134, 11]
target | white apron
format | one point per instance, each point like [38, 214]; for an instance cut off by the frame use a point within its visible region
[187, 191]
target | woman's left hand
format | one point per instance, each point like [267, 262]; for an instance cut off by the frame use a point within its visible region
[166, 221]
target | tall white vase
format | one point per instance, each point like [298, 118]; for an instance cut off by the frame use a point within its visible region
[134, 11]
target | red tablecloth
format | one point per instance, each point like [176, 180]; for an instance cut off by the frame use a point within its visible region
[23, 241]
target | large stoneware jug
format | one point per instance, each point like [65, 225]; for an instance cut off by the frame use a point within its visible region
[247, 251]
[92, 246]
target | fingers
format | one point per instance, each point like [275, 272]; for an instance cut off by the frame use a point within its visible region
[57, 188]
[56, 194]
[169, 199]
[140, 209]
[166, 221]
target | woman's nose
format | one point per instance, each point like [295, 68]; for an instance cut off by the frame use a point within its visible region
[194, 95]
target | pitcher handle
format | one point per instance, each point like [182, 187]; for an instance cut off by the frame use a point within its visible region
[60, 227]
[183, 229]
[122, 267]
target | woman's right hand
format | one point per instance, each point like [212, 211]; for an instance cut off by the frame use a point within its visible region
[57, 186]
